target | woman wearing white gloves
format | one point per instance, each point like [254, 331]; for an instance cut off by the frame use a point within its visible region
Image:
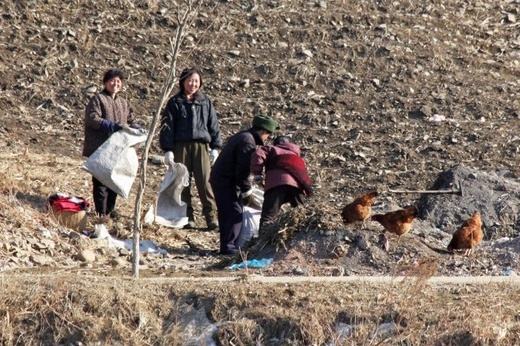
[191, 131]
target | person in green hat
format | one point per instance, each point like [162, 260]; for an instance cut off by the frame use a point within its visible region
[230, 179]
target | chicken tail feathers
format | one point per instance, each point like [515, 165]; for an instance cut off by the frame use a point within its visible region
[412, 211]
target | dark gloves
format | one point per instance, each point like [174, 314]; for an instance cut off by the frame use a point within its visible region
[109, 126]
[117, 127]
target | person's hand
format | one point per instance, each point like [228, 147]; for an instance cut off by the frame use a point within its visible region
[141, 130]
[213, 154]
[132, 131]
[113, 127]
[168, 158]
[259, 180]
[250, 200]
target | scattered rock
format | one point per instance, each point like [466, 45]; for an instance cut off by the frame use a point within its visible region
[300, 271]
[340, 271]
[118, 262]
[86, 256]
[40, 259]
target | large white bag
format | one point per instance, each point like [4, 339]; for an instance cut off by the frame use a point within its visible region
[115, 162]
[169, 210]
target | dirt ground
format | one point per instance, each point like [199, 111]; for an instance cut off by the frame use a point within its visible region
[386, 95]
[380, 95]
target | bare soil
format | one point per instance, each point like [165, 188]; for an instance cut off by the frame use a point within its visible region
[387, 95]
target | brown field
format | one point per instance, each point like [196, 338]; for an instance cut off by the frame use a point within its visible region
[356, 84]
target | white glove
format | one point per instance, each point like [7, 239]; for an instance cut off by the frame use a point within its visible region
[168, 158]
[132, 131]
[258, 180]
[213, 154]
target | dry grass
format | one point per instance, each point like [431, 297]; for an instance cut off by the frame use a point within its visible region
[62, 309]
[307, 219]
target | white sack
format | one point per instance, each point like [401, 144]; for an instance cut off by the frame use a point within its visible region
[115, 162]
[145, 246]
[250, 220]
[171, 211]
[250, 226]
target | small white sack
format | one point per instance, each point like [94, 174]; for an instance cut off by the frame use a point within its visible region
[250, 226]
[258, 198]
[250, 220]
[171, 211]
[115, 162]
[145, 246]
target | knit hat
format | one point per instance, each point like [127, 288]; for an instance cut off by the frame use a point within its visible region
[265, 122]
[281, 140]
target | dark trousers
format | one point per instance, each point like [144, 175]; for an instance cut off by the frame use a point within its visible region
[276, 197]
[104, 198]
[195, 156]
[230, 209]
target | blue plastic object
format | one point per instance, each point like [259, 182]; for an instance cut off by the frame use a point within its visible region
[254, 263]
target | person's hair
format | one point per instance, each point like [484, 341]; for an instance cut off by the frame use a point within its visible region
[113, 73]
[281, 140]
[186, 73]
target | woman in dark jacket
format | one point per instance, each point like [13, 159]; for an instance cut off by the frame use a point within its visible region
[191, 131]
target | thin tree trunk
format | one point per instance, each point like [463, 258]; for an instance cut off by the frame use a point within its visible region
[166, 91]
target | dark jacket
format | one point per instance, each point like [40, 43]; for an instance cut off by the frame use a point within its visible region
[185, 121]
[233, 163]
[103, 109]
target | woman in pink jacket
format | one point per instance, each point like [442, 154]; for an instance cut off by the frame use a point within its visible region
[286, 177]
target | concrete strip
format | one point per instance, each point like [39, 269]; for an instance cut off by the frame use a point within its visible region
[480, 280]
[331, 279]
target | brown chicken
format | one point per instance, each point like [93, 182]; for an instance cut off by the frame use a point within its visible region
[359, 209]
[468, 236]
[398, 222]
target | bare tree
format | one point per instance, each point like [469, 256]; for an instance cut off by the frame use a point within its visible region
[182, 21]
